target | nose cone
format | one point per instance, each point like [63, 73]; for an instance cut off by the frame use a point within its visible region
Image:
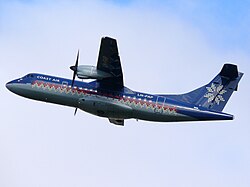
[13, 86]
[73, 68]
[17, 87]
[10, 86]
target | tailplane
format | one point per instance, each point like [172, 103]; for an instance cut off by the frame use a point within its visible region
[214, 95]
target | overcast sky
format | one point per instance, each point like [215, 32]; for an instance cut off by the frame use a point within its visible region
[165, 47]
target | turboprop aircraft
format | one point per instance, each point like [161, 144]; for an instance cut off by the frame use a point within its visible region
[106, 96]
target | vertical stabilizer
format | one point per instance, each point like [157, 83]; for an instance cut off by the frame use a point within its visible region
[214, 95]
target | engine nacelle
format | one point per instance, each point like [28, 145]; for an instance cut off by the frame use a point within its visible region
[91, 72]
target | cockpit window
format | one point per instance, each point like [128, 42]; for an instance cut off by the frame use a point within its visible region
[29, 75]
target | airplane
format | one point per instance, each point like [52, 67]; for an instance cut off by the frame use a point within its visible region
[107, 97]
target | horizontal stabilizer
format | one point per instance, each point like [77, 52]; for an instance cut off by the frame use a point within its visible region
[229, 71]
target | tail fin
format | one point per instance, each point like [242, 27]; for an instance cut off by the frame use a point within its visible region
[214, 95]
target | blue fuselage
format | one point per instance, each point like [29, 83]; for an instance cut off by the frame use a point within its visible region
[120, 103]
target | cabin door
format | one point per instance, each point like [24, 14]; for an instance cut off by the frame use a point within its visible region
[159, 104]
[160, 100]
[64, 84]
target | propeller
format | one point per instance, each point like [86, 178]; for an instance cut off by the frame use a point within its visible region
[74, 69]
[75, 111]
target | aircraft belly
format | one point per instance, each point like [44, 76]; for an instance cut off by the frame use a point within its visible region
[45, 94]
[152, 112]
[167, 116]
[56, 97]
[105, 107]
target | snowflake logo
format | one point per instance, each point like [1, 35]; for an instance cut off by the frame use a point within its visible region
[215, 93]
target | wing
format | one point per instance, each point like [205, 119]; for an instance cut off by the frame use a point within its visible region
[109, 61]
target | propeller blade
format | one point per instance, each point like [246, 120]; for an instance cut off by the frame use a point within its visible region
[75, 111]
[77, 58]
[74, 68]
[73, 79]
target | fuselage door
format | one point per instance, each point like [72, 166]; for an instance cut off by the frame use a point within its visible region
[64, 84]
[160, 100]
[159, 104]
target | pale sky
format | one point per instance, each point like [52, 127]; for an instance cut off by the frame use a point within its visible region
[165, 47]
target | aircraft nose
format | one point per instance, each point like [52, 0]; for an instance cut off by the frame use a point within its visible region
[9, 86]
